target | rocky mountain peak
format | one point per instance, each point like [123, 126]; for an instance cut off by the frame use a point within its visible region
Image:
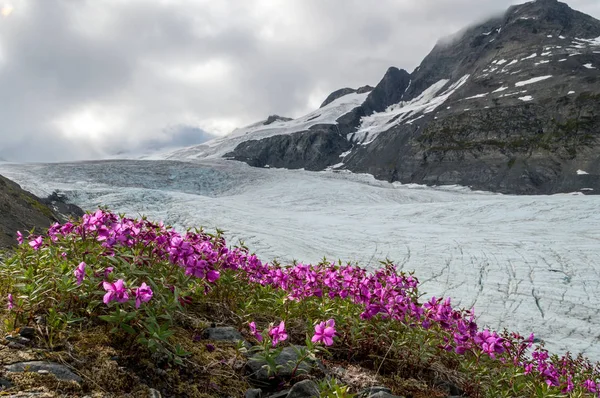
[276, 118]
[509, 104]
[388, 91]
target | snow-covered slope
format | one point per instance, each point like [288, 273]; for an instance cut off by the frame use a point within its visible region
[220, 146]
[528, 263]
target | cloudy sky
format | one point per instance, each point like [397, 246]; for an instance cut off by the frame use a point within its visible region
[85, 78]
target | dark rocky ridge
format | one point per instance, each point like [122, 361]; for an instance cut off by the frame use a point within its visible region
[22, 211]
[493, 132]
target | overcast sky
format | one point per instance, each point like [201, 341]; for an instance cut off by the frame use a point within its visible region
[83, 78]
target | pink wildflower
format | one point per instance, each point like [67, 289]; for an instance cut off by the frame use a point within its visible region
[36, 243]
[80, 272]
[11, 302]
[278, 333]
[143, 294]
[115, 291]
[255, 333]
[324, 332]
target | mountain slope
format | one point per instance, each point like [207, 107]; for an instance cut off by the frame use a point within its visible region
[509, 105]
[21, 210]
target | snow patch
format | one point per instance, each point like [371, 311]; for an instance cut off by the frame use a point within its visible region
[500, 89]
[589, 66]
[429, 100]
[218, 147]
[477, 96]
[582, 172]
[571, 92]
[532, 80]
[529, 57]
[526, 98]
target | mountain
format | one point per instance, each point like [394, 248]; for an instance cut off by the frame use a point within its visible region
[22, 211]
[509, 105]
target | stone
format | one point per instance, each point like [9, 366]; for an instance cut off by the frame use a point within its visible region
[223, 333]
[27, 332]
[367, 392]
[18, 339]
[61, 372]
[383, 394]
[152, 393]
[304, 389]
[5, 384]
[280, 394]
[287, 360]
[253, 393]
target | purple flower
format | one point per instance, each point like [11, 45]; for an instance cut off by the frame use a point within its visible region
[210, 347]
[107, 271]
[80, 272]
[115, 291]
[36, 243]
[255, 333]
[11, 302]
[590, 385]
[143, 294]
[278, 333]
[19, 237]
[324, 332]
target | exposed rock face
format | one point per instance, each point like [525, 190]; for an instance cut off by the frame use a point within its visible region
[314, 149]
[337, 94]
[22, 211]
[509, 105]
[521, 123]
[275, 118]
[389, 91]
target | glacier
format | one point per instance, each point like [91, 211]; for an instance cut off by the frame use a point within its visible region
[525, 263]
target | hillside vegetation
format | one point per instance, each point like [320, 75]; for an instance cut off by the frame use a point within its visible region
[131, 307]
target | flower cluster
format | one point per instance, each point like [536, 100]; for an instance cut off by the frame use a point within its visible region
[384, 294]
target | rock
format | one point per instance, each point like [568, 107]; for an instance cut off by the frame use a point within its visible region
[224, 333]
[5, 384]
[364, 89]
[18, 340]
[61, 372]
[276, 118]
[367, 392]
[304, 389]
[287, 359]
[383, 394]
[388, 91]
[27, 332]
[253, 393]
[152, 393]
[451, 388]
[337, 94]
[314, 149]
[280, 394]
[21, 210]
[15, 346]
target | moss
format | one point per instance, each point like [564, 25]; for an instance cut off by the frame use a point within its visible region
[45, 210]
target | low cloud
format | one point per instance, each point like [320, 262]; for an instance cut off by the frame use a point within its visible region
[87, 78]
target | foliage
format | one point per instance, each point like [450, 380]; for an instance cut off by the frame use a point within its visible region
[137, 279]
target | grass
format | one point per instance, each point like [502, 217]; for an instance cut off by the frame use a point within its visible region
[127, 357]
